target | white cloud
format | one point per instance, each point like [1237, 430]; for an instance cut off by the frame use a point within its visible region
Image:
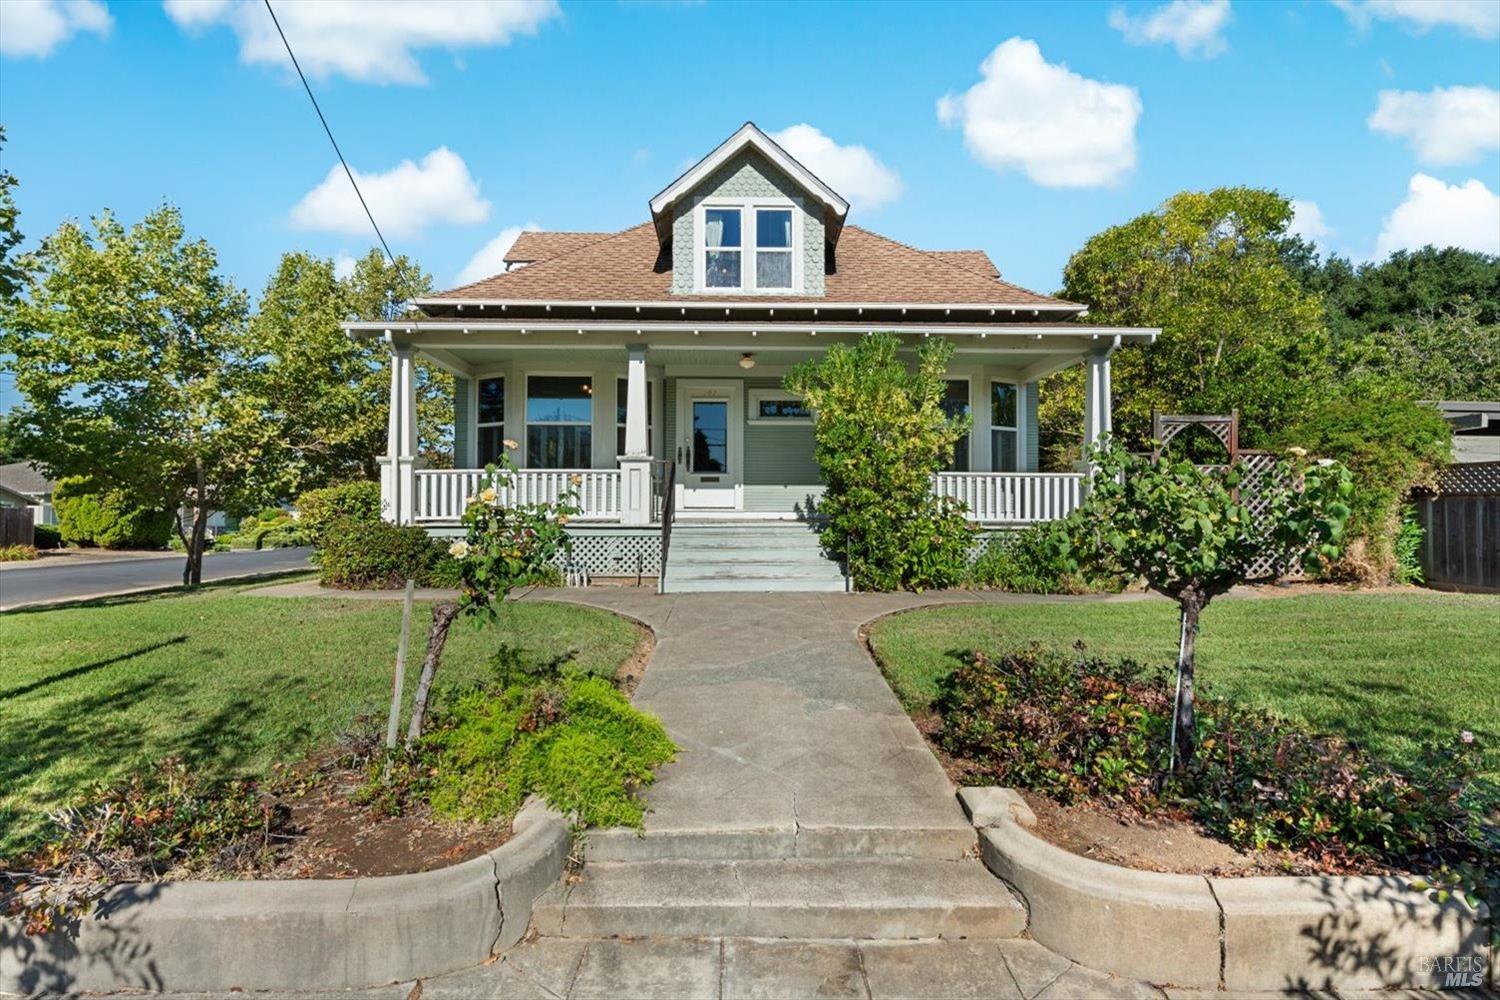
[36, 27]
[369, 42]
[404, 199]
[1480, 18]
[1308, 221]
[491, 257]
[1463, 215]
[852, 171]
[1062, 129]
[343, 265]
[1443, 126]
[1195, 27]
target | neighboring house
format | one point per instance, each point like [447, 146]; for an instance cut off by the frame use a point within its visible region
[616, 357]
[23, 480]
[1476, 429]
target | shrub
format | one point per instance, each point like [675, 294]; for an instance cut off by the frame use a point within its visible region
[1074, 727]
[108, 518]
[1390, 443]
[1035, 561]
[881, 432]
[17, 553]
[47, 536]
[319, 509]
[169, 822]
[374, 555]
[1409, 547]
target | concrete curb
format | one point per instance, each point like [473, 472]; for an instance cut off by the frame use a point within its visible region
[1264, 933]
[284, 935]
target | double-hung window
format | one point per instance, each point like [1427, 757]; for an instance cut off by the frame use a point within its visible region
[559, 421]
[956, 404]
[765, 235]
[622, 395]
[1003, 436]
[491, 420]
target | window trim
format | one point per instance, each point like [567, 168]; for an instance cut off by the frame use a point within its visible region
[1015, 428]
[527, 423]
[749, 245]
[754, 397]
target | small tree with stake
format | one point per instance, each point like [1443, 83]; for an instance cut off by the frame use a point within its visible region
[504, 547]
[1185, 531]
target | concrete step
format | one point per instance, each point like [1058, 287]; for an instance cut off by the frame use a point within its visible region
[707, 569]
[751, 585]
[911, 833]
[707, 542]
[861, 899]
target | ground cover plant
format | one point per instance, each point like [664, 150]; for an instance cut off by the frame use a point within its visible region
[1038, 560]
[231, 684]
[1391, 671]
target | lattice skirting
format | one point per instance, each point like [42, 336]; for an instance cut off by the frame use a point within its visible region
[613, 552]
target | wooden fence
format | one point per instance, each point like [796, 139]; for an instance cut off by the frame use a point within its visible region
[1461, 529]
[17, 526]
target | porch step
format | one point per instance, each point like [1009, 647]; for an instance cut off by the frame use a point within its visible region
[903, 829]
[749, 558]
[797, 898]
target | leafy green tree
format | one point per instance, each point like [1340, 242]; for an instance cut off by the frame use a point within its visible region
[1238, 329]
[1443, 354]
[10, 447]
[138, 372]
[1186, 531]
[12, 277]
[881, 432]
[335, 392]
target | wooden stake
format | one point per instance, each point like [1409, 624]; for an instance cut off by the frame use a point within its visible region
[391, 726]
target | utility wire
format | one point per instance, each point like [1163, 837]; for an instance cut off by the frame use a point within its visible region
[347, 172]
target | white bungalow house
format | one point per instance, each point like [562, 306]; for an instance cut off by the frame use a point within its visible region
[656, 354]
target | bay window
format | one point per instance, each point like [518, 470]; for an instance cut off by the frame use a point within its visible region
[1003, 435]
[559, 421]
[491, 420]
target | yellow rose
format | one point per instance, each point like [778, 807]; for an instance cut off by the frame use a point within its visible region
[511, 444]
[459, 549]
[488, 496]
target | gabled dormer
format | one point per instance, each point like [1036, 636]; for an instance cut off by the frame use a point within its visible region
[746, 220]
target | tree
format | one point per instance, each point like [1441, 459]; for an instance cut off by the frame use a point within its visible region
[12, 276]
[1238, 330]
[1447, 353]
[1188, 533]
[335, 391]
[881, 432]
[138, 373]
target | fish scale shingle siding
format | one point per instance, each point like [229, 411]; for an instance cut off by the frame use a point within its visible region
[748, 175]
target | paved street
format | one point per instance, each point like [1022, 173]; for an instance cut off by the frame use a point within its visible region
[22, 585]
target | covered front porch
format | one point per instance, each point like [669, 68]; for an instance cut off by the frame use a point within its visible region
[613, 416]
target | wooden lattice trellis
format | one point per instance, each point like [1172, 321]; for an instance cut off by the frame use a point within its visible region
[1252, 493]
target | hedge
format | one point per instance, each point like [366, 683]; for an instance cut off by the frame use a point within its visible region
[108, 518]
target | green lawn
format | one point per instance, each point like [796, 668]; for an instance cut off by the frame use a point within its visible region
[229, 682]
[1389, 670]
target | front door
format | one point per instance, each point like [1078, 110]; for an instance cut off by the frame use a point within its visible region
[711, 443]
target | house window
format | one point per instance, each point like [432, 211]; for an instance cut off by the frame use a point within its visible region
[559, 421]
[956, 404]
[722, 248]
[765, 235]
[622, 394]
[1003, 436]
[773, 248]
[491, 420]
[774, 406]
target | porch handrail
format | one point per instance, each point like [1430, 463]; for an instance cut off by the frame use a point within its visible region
[668, 515]
[442, 494]
[1013, 497]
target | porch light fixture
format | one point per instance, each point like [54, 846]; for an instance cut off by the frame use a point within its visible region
[747, 361]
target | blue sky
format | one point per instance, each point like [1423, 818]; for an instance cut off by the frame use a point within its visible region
[572, 116]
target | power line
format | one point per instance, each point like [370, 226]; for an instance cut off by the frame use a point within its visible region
[347, 172]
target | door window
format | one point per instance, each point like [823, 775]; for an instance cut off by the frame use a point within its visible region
[710, 436]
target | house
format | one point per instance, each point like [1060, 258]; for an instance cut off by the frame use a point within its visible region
[1476, 429]
[627, 360]
[22, 485]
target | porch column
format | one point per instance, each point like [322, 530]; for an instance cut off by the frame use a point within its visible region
[635, 464]
[398, 464]
[1097, 417]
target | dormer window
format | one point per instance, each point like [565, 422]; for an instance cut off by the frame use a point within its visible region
[765, 234]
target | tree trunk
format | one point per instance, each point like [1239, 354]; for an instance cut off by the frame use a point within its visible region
[1184, 719]
[437, 636]
[192, 573]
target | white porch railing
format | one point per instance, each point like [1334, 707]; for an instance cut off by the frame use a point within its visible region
[1012, 497]
[442, 494]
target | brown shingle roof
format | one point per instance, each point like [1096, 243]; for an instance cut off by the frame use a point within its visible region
[531, 247]
[629, 266]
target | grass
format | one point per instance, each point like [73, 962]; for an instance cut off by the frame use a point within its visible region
[231, 683]
[1388, 670]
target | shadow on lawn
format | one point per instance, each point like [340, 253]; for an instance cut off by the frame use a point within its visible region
[89, 668]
